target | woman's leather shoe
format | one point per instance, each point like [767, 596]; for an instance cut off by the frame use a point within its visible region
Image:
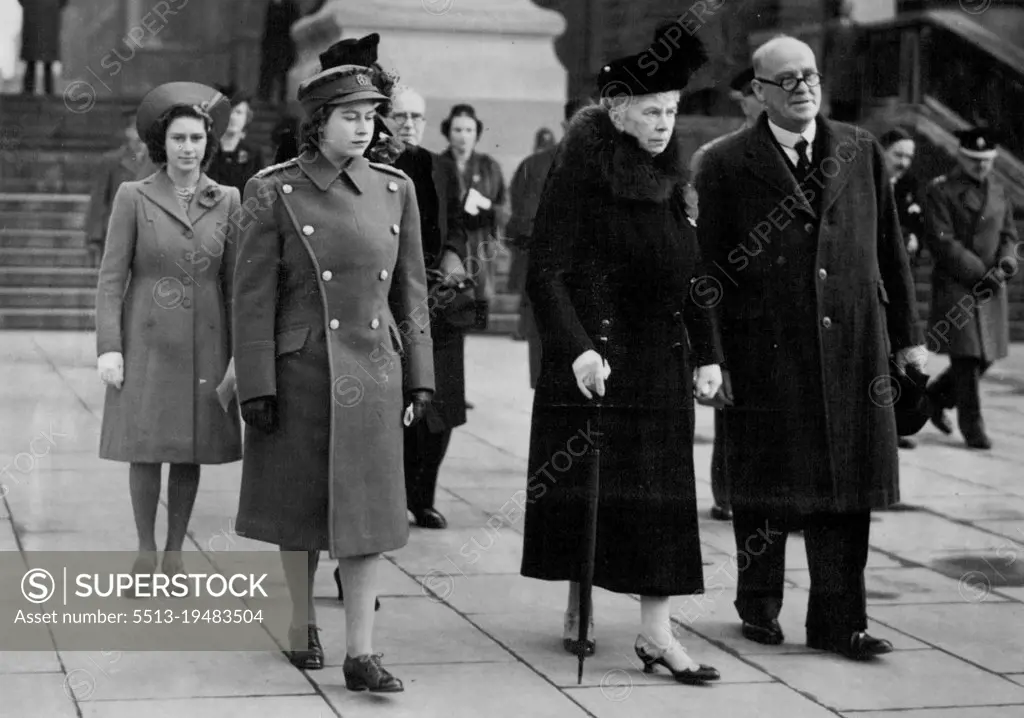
[341, 592]
[653, 657]
[859, 646]
[430, 519]
[571, 634]
[769, 633]
[311, 659]
[365, 673]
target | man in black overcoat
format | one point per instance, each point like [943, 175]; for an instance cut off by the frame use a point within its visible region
[810, 275]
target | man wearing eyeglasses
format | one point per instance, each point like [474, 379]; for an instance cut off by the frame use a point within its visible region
[799, 231]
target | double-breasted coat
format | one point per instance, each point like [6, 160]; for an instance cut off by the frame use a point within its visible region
[814, 293]
[970, 232]
[40, 34]
[611, 261]
[119, 166]
[163, 301]
[330, 289]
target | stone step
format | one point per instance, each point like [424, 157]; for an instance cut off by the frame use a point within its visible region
[42, 202]
[25, 277]
[34, 257]
[502, 323]
[47, 298]
[48, 319]
[41, 220]
[41, 238]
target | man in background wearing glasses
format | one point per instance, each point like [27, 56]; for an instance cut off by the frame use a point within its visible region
[799, 232]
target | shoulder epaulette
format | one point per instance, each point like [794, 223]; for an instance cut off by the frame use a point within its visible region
[273, 168]
[389, 169]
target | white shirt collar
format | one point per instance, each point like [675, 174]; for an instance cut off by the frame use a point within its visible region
[789, 139]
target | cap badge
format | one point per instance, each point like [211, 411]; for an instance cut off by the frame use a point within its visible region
[980, 144]
[362, 80]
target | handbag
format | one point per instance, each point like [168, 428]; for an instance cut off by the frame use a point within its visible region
[454, 304]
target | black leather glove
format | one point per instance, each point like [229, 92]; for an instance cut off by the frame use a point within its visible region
[420, 400]
[261, 413]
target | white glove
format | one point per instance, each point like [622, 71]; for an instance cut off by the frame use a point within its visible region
[479, 200]
[111, 368]
[707, 380]
[591, 371]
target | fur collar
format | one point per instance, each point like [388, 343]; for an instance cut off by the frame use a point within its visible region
[595, 151]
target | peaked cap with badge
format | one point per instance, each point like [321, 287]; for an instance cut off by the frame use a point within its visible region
[978, 143]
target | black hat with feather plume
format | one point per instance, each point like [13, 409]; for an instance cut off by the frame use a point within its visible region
[668, 64]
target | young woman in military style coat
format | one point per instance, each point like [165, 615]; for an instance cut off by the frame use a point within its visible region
[163, 329]
[973, 238]
[330, 290]
[611, 264]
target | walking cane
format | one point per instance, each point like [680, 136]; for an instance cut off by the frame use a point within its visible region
[589, 543]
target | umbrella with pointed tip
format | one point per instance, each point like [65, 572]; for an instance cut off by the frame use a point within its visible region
[589, 543]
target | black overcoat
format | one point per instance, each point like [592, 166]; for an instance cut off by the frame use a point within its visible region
[330, 288]
[612, 256]
[970, 232]
[811, 305]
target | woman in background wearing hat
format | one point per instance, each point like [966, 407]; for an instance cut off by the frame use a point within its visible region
[237, 159]
[163, 327]
[611, 263]
[330, 289]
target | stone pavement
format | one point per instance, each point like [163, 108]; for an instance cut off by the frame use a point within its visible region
[471, 638]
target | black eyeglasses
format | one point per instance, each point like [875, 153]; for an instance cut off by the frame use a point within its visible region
[789, 84]
[403, 117]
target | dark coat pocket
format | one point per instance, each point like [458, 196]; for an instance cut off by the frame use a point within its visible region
[290, 340]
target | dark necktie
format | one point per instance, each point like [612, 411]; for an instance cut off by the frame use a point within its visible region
[803, 165]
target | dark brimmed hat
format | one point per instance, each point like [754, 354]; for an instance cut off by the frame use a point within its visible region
[346, 83]
[912, 405]
[666, 65]
[164, 97]
[978, 143]
[741, 83]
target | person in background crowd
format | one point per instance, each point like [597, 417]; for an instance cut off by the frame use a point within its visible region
[544, 139]
[809, 309]
[237, 159]
[326, 275]
[40, 40]
[475, 178]
[163, 324]
[128, 163]
[742, 92]
[970, 232]
[612, 257]
[524, 192]
[277, 49]
[899, 155]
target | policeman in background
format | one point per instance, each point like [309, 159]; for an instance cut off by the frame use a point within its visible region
[971, 235]
[741, 91]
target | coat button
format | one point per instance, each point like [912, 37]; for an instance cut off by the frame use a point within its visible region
[287, 189]
[394, 229]
[186, 282]
[188, 234]
[780, 260]
[808, 227]
[383, 274]
[186, 302]
[606, 323]
[375, 323]
[327, 275]
[307, 230]
[826, 322]
[392, 186]
[334, 324]
[822, 274]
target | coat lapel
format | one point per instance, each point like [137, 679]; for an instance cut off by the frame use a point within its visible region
[208, 195]
[160, 190]
[825, 167]
[768, 165]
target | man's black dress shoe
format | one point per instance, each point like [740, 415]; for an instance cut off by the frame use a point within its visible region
[719, 513]
[979, 441]
[341, 593]
[770, 634]
[365, 673]
[430, 519]
[906, 443]
[940, 420]
[860, 646]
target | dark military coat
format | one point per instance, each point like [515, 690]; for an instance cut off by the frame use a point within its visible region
[814, 294]
[970, 232]
[330, 290]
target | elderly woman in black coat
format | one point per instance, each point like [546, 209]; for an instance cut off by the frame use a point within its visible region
[613, 257]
